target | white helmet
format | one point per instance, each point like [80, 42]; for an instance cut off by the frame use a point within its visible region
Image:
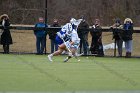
[72, 21]
[69, 28]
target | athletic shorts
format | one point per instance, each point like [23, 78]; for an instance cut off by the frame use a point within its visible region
[58, 40]
[75, 46]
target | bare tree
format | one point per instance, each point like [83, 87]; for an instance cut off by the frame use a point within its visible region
[28, 11]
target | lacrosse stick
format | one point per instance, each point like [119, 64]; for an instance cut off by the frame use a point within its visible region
[66, 45]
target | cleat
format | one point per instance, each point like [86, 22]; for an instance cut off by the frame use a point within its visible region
[79, 60]
[50, 58]
[66, 60]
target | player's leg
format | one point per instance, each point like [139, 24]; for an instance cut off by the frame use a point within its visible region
[61, 48]
[70, 55]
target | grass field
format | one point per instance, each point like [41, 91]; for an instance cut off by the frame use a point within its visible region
[34, 73]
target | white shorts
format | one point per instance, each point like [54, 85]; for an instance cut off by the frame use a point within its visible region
[75, 46]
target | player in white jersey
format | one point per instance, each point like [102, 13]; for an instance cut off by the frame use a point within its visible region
[69, 39]
[73, 45]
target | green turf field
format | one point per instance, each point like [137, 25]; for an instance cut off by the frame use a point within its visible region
[34, 73]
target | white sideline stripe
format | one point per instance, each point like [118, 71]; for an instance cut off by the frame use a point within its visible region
[81, 92]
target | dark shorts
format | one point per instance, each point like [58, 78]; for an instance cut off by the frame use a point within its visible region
[58, 40]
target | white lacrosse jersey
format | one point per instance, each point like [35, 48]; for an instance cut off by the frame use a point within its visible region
[75, 39]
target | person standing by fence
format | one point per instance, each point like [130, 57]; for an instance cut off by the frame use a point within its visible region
[40, 36]
[96, 44]
[6, 38]
[52, 35]
[127, 36]
[117, 36]
[83, 35]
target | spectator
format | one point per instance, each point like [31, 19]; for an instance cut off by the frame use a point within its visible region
[40, 36]
[52, 35]
[117, 35]
[6, 38]
[127, 36]
[96, 44]
[83, 35]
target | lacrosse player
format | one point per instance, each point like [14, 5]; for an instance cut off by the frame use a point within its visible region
[73, 45]
[63, 38]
